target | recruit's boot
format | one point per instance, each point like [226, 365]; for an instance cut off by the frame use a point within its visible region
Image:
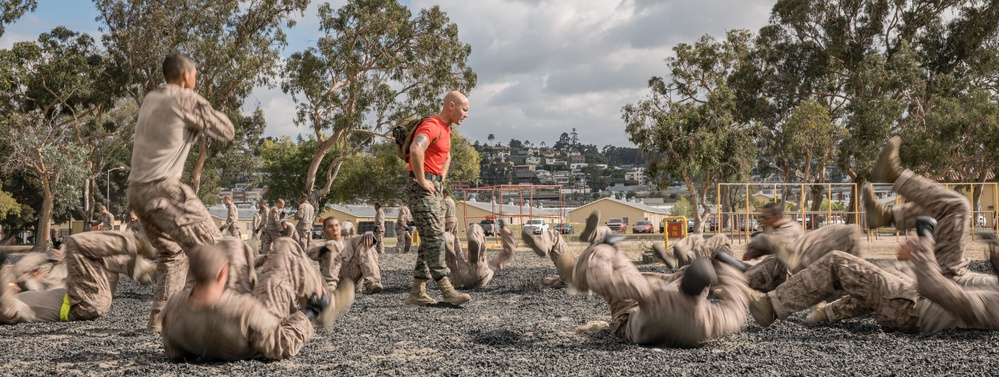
[142, 270]
[761, 308]
[590, 230]
[418, 295]
[540, 244]
[342, 299]
[925, 226]
[565, 265]
[144, 248]
[451, 295]
[155, 322]
[659, 250]
[887, 169]
[818, 315]
[877, 214]
[372, 288]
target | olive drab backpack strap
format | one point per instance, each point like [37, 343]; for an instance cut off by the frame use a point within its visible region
[403, 133]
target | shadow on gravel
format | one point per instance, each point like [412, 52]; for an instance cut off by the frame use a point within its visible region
[444, 305]
[395, 289]
[502, 338]
[522, 287]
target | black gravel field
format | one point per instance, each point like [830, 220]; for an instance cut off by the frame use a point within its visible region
[515, 326]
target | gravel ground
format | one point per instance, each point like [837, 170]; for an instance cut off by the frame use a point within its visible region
[515, 326]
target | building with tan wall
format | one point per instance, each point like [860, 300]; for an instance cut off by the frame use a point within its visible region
[609, 208]
[513, 214]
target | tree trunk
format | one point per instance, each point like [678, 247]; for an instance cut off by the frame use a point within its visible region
[726, 200]
[44, 216]
[695, 200]
[818, 195]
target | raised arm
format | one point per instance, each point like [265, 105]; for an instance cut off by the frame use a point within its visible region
[200, 116]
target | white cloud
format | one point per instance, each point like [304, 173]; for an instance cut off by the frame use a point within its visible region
[9, 39]
[546, 67]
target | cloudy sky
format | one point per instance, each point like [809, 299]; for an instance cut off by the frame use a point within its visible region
[544, 66]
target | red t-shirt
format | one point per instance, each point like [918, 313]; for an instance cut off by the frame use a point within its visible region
[437, 152]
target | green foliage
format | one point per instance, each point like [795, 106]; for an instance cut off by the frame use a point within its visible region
[375, 65]
[285, 162]
[11, 10]
[371, 177]
[8, 205]
[465, 161]
[881, 68]
[682, 207]
[236, 46]
[49, 95]
[688, 124]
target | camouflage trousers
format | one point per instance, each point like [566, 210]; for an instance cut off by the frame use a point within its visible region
[404, 240]
[267, 236]
[925, 197]
[304, 237]
[94, 261]
[379, 240]
[428, 214]
[892, 298]
[770, 272]
[287, 279]
[175, 221]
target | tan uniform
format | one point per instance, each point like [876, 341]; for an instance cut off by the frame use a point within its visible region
[306, 216]
[405, 240]
[273, 228]
[473, 272]
[174, 218]
[262, 323]
[552, 244]
[770, 272]
[40, 271]
[787, 231]
[695, 246]
[93, 260]
[347, 258]
[107, 221]
[231, 225]
[650, 309]
[259, 221]
[952, 210]
[931, 302]
[450, 219]
[379, 231]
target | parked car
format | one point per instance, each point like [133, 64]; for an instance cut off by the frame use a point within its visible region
[642, 227]
[617, 224]
[690, 226]
[750, 225]
[565, 228]
[489, 227]
[536, 226]
[317, 232]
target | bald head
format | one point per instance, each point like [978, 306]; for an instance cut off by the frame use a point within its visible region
[455, 108]
[205, 262]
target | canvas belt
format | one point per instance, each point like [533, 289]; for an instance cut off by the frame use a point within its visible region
[432, 177]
